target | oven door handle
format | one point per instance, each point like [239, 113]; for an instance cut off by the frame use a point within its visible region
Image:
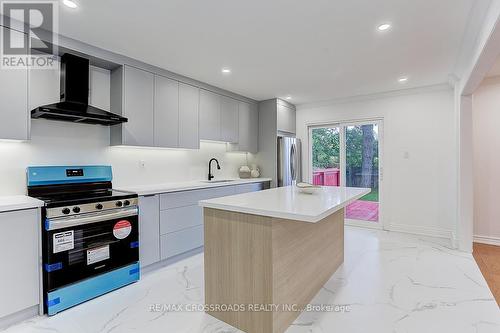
[76, 220]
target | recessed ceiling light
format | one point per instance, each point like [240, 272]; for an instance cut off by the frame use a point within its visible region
[70, 3]
[403, 79]
[226, 71]
[384, 27]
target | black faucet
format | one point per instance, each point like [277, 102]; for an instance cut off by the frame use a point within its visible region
[210, 176]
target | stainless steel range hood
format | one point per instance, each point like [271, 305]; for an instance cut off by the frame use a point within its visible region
[74, 105]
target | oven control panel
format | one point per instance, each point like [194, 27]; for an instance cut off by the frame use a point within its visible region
[74, 173]
[91, 207]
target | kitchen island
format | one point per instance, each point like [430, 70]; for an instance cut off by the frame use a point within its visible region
[268, 253]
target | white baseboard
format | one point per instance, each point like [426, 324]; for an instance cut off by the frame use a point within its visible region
[170, 261]
[363, 224]
[487, 240]
[18, 317]
[423, 231]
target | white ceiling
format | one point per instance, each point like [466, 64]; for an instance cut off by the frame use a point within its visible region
[313, 50]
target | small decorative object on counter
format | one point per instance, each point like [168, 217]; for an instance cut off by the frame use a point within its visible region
[255, 171]
[245, 172]
[308, 188]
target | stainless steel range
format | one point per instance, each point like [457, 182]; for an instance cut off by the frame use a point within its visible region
[90, 237]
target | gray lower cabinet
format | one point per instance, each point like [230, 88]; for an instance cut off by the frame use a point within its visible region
[20, 235]
[166, 113]
[149, 228]
[245, 188]
[181, 219]
[172, 223]
[132, 93]
[189, 116]
[181, 241]
[15, 116]
[176, 219]
[210, 116]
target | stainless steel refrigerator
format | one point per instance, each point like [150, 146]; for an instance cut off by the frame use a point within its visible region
[289, 161]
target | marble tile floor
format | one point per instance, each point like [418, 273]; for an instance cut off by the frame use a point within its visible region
[389, 282]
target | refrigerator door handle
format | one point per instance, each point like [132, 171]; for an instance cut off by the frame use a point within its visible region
[298, 161]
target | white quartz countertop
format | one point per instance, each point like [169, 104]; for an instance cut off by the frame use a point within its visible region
[18, 202]
[289, 203]
[185, 186]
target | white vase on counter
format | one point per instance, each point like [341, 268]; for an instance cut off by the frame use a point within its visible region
[244, 172]
[255, 173]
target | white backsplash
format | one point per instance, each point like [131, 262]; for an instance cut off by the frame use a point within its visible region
[60, 143]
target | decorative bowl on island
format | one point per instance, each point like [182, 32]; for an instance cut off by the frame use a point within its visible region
[308, 188]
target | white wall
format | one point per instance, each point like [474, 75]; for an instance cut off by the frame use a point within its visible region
[486, 147]
[480, 51]
[418, 192]
[62, 143]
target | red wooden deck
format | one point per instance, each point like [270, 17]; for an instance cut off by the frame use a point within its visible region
[362, 210]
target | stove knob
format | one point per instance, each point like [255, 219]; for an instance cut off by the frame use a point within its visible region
[126, 203]
[119, 204]
[76, 209]
[66, 211]
[98, 206]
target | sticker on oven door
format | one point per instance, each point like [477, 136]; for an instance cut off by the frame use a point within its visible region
[63, 241]
[122, 229]
[97, 254]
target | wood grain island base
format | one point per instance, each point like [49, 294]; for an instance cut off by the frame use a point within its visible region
[267, 263]
[268, 253]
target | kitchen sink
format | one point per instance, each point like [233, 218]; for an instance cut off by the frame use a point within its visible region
[218, 181]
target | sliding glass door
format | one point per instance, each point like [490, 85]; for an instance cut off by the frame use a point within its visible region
[362, 169]
[326, 155]
[348, 154]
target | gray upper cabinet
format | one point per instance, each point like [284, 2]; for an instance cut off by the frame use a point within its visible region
[229, 120]
[166, 113]
[189, 108]
[286, 117]
[15, 116]
[219, 117]
[248, 129]
[161, 112]
[210, 116]
[100, 81]
[44, 87]
[132, 95]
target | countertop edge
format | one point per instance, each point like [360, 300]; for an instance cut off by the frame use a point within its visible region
[189, 186]
[19, 202]
[287, 216]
